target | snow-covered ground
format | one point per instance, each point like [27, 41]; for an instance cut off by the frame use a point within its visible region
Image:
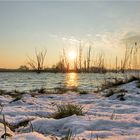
[106, 118]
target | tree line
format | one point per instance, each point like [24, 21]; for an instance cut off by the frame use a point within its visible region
[84, 62]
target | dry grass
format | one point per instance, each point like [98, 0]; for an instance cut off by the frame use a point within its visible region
[67, 110]
[121, 96]
[110, 93]
[83, 92]
[133, 78]
[117, 82]
[138, 85]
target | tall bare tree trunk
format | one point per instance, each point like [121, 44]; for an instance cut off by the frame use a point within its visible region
[88, 58]
[80, 57]
[116, 64]
[85, 65]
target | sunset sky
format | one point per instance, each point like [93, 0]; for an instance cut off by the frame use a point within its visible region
[55, 25]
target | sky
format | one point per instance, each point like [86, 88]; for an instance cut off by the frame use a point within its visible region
[54, 25]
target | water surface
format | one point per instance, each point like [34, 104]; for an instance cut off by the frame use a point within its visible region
[27, 81]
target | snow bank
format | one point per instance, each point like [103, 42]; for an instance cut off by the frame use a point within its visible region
[31, 136]
[105, 117]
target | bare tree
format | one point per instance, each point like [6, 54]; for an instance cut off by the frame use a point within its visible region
[23, 68]
[130, 57]
[60, 65]
[126, 57]
[116, 64]
[80, 57]
[88, 57]
[66, 62]
[100, 63]
[38, 63]
[85, 65]
[136, 56]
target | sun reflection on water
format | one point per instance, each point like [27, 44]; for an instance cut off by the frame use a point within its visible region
[71, 80]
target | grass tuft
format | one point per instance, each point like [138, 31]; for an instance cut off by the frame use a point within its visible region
[67, 110]
[138, 84]
[83, 92]
[68, 136]
[16, 99]
[60, 90]
[2, 92]
[110, 93]
[42, 90]
[118, 82]
[133, 78]
[121, 96]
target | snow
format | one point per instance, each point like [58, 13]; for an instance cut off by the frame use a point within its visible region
[105, 117]
[31, 136]
[78, 125]
[2, 132]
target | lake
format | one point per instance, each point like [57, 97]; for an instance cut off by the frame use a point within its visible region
[28, 81]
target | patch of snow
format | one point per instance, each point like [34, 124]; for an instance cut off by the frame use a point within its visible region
[30, 136]
[105, 117]
[8, 131]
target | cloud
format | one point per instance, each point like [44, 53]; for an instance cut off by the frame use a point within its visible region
[70, 39]
[132, 37]
[70, 42]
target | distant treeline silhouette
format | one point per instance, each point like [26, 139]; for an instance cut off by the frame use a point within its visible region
[84, 62]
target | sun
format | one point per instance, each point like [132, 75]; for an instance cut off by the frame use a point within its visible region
[72, 55]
